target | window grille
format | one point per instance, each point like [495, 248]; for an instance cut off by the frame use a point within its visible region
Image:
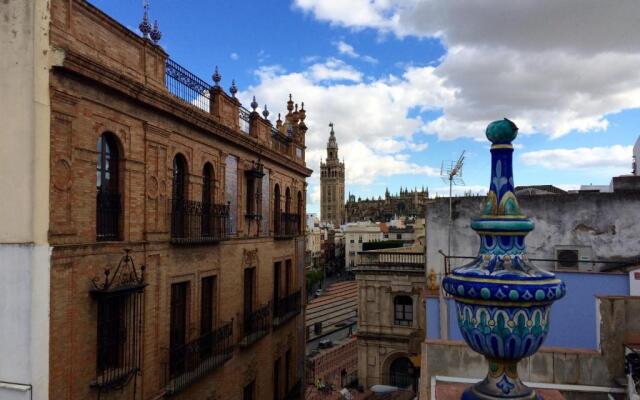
[119, 299]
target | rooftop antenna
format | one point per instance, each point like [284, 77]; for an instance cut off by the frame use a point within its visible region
[452, 173]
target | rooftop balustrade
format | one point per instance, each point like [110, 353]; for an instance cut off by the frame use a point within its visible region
[391, 260]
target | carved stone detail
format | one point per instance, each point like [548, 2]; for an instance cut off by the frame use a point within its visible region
[250, 257]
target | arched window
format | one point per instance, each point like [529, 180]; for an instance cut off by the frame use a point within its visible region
[301, 214]
[207, 221]
[289, 222]
[401, 373]
[179, 177]
[108, 201]
[287, 201]
[207, 184]
[179, 206]
[403, 310]
[276, 209]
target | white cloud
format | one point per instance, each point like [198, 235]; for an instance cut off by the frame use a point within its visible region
[334, 70]
[388, 145]
[348, 50]
[617, 156]
[234, 56]
[551, 66]
[372, 122]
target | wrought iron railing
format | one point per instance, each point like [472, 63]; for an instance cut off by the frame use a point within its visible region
[391, 260]
[286, 308]
[193, 360]
[186, 86]
[196, 222]
[108, 209]
[119, 296]
[256, 325]
[295, 392]
[286, 226]
[243, 120]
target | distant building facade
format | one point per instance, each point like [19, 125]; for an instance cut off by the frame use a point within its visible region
[355, 234]
[408, 203]
[391, 321]
[332, 185]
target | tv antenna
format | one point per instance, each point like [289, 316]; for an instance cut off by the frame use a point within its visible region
[452, 173]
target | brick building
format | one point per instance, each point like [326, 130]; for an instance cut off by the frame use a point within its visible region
[175, 225]
[336, 366]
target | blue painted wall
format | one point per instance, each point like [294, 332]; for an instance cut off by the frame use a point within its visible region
[573, 319]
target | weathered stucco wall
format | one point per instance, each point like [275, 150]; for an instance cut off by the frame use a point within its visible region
[24, 200]
[608, 222]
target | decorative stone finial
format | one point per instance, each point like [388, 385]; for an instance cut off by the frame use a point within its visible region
[503, 301]
[145, 26]
[233, 89]
[155, 34]
[216, 77]
[265, 112]
[290, 104]
[254, 104]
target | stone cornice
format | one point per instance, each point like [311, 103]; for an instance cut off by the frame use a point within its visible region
[164, 102]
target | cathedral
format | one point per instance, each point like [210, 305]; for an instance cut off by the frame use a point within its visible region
[408, 203]
[332, 185]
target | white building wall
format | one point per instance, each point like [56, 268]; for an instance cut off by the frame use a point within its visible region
[634, 282]
[24, 211]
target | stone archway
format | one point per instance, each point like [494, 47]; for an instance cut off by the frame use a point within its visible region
[399, 371]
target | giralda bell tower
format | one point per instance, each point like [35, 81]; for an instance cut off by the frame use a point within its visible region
[332, 184]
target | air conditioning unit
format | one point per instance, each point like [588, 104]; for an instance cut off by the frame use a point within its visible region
[574, 257]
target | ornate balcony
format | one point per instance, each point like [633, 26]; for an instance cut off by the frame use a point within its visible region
[286, 308]
[287, 226]
[256, 325]
[193, 360]
[194, 222]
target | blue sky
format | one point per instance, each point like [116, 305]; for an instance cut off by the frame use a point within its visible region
[411, 83]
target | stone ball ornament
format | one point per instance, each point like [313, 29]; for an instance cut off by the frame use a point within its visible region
[503, 302]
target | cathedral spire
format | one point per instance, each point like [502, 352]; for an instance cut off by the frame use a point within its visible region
[332, 145]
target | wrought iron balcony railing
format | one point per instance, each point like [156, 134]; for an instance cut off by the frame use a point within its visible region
[187, 86]
[400, 260]
[244, 120]
[256, 325]
[193, 360]
[287, 226]
[196, 222]
[286, 308]
[108, 210]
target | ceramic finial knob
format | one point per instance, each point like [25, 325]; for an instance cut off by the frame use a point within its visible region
[502, 131]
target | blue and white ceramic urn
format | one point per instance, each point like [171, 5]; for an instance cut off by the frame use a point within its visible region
[503, 302]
